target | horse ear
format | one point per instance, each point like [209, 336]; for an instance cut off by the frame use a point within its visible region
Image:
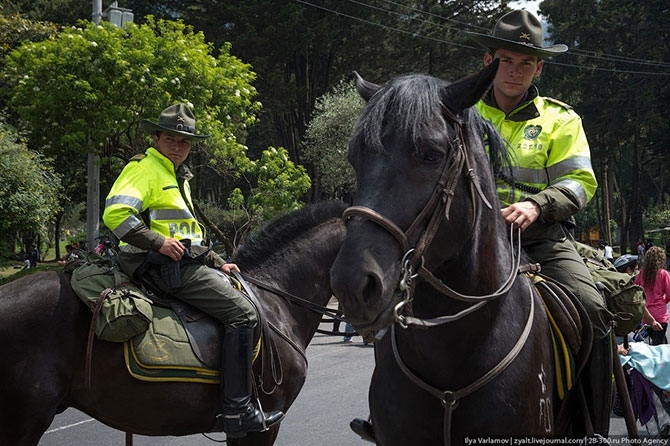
[365, 89]
[465, 92]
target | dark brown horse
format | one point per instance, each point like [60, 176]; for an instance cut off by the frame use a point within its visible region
[464, 349]
[43, 335]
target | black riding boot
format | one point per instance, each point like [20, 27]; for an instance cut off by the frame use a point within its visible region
[598, 384]
[239, 414]
[364, 429]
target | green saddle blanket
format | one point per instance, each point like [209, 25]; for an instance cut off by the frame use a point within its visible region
[164, 353]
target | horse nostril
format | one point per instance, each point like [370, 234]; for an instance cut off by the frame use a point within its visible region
[371, 291]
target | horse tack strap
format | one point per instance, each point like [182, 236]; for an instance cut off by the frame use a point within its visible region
[382, 221]
[451, 398]
[91, 334]
[268, 354]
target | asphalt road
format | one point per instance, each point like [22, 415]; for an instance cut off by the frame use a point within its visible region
[335, 392]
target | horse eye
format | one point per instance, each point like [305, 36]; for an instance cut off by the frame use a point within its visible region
[432, 156]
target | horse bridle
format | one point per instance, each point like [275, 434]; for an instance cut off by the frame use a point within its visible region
[438, 205]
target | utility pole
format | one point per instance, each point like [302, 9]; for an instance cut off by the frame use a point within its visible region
[119, 17]
[93, 171]
[606, 202]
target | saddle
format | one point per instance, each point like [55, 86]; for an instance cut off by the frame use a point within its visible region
[184, 343]
[570, 329]
[203, 331]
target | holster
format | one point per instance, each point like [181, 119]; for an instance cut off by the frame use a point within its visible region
[170, 270]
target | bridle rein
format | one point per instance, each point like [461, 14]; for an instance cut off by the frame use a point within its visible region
[438, 207]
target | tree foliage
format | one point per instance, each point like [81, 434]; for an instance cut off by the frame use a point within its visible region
[325, 143]
[280, 184]
[88, 89]
[616, 78]
[28, 186]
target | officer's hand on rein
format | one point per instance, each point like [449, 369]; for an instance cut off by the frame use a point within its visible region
[228, 268]
[521, 214]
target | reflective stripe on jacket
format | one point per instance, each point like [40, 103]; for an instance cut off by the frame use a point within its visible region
[149, 186]
[550, 154]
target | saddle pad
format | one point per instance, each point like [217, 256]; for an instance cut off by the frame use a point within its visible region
[164, 353]
[168, 374]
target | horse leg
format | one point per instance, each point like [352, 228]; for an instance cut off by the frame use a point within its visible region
[26, 413]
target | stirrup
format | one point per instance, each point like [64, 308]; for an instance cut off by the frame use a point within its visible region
[364, 429]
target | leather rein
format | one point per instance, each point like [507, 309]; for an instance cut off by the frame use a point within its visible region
[271, 355]
[438, 207]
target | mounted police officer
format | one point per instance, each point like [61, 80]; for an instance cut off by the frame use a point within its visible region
[149, 208]
[552, 180]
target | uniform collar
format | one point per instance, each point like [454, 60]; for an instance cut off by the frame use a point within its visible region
[524, 111]
[164, 160]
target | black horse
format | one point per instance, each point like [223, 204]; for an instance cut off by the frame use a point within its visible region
[44, 329]
[464, 349]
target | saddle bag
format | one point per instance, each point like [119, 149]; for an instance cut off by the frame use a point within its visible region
[623, 297]
[125, 310]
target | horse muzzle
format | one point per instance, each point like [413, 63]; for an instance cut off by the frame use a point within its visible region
[365, 289]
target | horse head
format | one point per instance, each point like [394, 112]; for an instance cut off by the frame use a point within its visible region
[425, 184]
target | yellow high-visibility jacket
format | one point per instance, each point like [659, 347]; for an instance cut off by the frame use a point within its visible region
[146, 204]
[552, 160]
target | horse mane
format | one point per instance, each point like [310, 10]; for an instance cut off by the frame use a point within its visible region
[407, 103]
[279, 232]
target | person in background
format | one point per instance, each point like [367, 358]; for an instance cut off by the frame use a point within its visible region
[150, 210]
[33, 256]
[609, 253]
[552, 179]
[70, 254]
[640, 248]
[656, 283]
[349, 333]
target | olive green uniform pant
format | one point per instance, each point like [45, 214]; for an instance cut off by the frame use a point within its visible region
[559, 259]
[210, 291]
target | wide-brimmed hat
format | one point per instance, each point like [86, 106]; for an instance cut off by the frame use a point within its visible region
[519, 31]
[176, 118]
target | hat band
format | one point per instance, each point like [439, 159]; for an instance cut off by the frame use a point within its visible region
[184, 128]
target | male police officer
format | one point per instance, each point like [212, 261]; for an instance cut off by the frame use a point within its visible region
[553, 180]
[150, 209]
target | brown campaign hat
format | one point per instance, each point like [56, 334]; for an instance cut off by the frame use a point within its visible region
[176, 118]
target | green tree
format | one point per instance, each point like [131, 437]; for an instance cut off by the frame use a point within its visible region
[61, 12]
[87, 89]
[29, 189]
[326, 140]
[615, 78]
[14, 31]
[280, 184]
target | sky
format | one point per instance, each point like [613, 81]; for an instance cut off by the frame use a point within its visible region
[530, 5]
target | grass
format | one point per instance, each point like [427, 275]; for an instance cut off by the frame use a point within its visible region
[9, 274]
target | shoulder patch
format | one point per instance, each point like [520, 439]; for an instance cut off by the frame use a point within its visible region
[557, 102]
[138, 157]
